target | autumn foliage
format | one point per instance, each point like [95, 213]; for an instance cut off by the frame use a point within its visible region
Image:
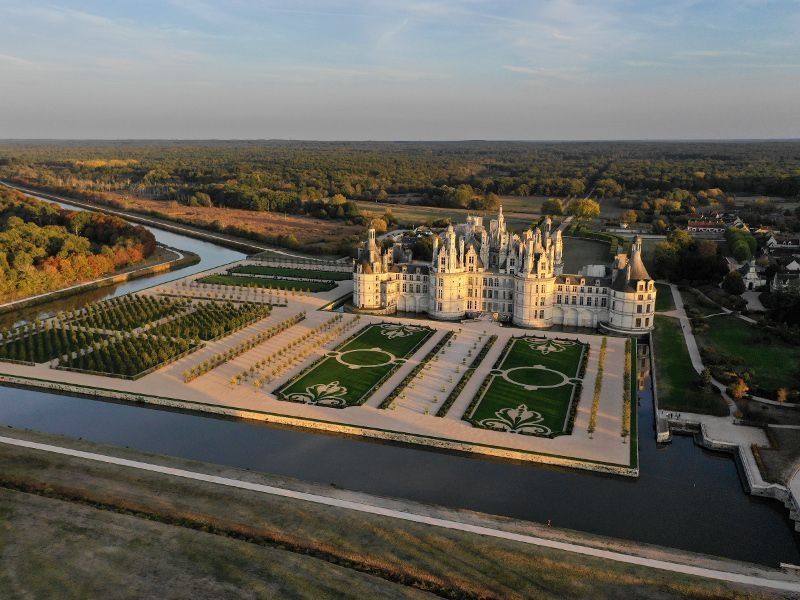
[44, 247]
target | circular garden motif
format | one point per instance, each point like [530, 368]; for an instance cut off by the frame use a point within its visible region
[535, 377]
[368, 357]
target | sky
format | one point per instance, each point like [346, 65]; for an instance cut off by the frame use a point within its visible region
[404, 70]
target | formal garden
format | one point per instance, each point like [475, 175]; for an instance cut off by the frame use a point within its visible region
[291, 272]
[273, 283]
[129, 356]
[125, 313]
[209, 320]
[679, 386]
[40, 342]
[347, 375]
[533, 389]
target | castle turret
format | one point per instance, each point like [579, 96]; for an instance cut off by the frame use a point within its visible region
[633, 294]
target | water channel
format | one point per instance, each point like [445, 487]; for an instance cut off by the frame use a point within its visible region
[686, 497]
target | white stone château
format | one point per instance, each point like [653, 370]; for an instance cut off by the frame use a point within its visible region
[476, 271]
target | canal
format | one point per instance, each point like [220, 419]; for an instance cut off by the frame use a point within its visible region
[686, 497]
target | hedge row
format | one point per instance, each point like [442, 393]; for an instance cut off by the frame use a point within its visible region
[626, 392]
[598, 385]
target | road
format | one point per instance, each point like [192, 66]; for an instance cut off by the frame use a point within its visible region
[786, 584]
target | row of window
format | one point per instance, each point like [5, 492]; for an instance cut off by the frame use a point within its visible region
[579, 300]
[574, 290]
[410, 277]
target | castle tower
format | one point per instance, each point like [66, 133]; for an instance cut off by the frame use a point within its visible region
[447, 283]
[633, 295]
[534, 284]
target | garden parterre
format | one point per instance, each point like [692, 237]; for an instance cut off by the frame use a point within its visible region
[290, 272]
[532, 389]
[268, 282]
[346, 376]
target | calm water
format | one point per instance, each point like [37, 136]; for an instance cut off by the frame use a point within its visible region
[685, 497]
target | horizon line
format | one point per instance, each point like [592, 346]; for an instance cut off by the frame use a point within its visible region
[390, 140]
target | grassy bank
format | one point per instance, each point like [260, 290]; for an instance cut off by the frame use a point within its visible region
[678, 383]
[267, 546]
[664, 300]
[773, 363]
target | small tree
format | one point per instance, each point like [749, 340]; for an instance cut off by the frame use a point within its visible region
[738, 389]
[705, 377]
[733, 283]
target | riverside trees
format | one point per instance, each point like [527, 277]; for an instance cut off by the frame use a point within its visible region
[44, 247]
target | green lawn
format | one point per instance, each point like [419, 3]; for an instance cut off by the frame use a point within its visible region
[664, 299]
[550, 405]
[677, 381]
[774, 363]
[704, 307]
[347, 376]
[263, 282]
[289, 272]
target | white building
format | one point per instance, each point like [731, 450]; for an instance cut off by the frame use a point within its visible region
[476, 271]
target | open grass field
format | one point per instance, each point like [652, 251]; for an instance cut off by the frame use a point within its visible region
[678, 383]
[532, 389]
[186, 539]
[307, 230]
[347, 375]
[290, 272]
[664, 300]
[270, 283]
[774, 363]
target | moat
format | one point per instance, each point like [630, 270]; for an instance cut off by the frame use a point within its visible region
[685, 497]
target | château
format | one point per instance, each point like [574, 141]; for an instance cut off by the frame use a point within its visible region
[477, 271]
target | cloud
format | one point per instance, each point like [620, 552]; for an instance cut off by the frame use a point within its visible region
[712, 53]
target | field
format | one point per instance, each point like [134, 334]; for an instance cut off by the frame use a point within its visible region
[533, 388]
[678, 383]
[271, 283]
[290, 272]
[773, 363]
[105, 529]
[305, 229]
[346, 376]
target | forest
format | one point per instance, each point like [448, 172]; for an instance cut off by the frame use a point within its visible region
[44, 247]
[316, 183]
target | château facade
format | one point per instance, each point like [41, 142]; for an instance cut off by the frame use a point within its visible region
[476, 271]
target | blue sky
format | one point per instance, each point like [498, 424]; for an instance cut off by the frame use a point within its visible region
[439, 69]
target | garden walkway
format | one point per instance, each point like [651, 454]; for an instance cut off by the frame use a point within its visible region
[756, 577]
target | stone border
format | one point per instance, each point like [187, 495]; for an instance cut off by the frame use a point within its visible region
[316, 424]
